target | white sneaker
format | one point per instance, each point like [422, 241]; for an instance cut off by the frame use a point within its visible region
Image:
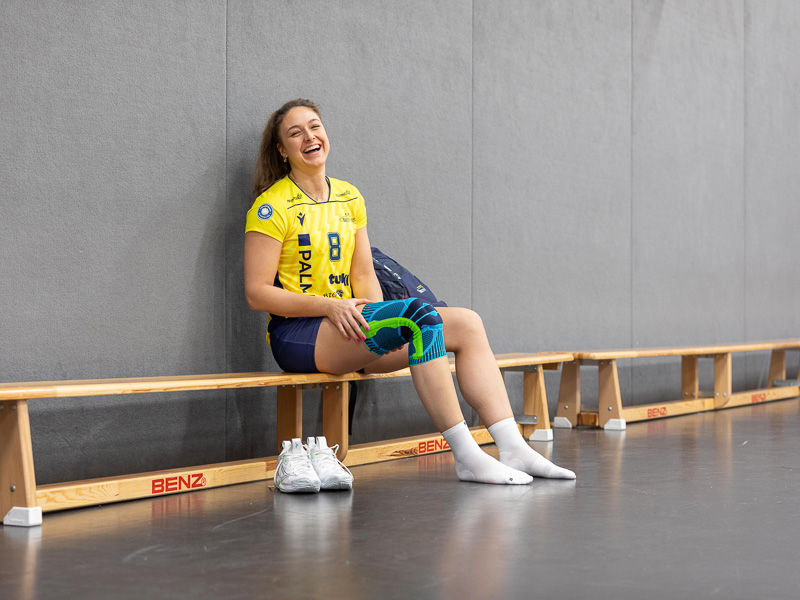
[294, 472]
[332, 473]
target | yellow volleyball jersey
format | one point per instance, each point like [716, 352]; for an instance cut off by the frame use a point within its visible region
[318, 238]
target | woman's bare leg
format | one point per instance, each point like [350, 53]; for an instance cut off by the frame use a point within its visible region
[432, 380]
[483, 388]
[479, 379]
[434, 384]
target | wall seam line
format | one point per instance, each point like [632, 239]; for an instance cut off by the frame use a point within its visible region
[631, 199]
[472, 162]
[226, 309]
[744, 166]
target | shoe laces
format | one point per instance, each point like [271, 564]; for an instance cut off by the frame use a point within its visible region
[298, 463]
[326, 458]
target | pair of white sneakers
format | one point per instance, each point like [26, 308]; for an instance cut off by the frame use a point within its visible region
[311, 467]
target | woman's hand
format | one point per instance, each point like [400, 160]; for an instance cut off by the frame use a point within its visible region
[346, 317]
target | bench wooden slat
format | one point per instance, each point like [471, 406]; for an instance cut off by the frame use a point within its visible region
[143, 385]
[688, 350]
[88, 492]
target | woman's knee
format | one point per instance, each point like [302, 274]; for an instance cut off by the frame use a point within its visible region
[462, 325]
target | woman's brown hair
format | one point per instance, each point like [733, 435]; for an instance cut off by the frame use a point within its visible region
[270, 166]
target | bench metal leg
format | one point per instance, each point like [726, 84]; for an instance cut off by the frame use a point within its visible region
[290, 413]
[335, 410]
[569, 396]
[17, 481]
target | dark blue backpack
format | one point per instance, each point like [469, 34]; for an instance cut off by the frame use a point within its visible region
[398, 283]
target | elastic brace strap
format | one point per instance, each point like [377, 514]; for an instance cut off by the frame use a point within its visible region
[394, 323]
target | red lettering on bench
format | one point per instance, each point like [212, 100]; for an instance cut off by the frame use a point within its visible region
[178, 483]
[659, 411]
[433, 446]
[756, 398]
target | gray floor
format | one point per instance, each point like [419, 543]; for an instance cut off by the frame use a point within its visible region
[703, 506]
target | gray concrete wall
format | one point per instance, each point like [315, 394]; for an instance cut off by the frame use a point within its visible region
[585, 174]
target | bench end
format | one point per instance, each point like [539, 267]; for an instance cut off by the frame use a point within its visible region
[562, 423]
[542, 435]
[24, 516]
[615, 425]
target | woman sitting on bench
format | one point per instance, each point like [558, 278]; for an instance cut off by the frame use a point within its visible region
[307, 262]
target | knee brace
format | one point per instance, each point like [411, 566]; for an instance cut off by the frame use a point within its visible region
[395, 323]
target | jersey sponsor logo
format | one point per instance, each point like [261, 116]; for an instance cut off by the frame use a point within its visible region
[348, 219]
[265, 212]
[295, 198]
[345, 196]
[301, 217]
[341, 279]
[306, 283]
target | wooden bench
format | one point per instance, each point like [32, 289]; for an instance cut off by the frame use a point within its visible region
[22, 501]
[613, 416]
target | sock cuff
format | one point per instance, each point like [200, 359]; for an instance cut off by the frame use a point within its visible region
[500, 425]
[454, 429]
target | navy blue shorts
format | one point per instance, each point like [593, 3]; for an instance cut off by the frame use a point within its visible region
[292, 342]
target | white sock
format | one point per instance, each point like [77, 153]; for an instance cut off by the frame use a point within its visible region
[516, 453]
[473, 464]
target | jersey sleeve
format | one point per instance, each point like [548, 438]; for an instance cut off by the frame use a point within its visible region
[265, 218]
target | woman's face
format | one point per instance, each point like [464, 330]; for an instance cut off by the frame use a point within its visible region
[303, 139]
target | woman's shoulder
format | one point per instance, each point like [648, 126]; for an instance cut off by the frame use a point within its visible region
[343, 190]
[283, 189]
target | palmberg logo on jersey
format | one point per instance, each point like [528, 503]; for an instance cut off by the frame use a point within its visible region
[265, 212]
[304, 241]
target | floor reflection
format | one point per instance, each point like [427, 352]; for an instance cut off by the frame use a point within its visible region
[711, 489]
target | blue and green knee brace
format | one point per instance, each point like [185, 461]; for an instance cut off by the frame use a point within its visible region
[411, 321]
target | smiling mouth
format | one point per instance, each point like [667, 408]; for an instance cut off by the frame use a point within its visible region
[313, 148]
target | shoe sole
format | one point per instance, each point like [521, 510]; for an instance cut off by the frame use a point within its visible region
[339, 485]
[299, 488]
[304, 490]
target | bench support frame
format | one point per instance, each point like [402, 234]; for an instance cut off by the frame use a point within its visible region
[22, 502]
[17, 482]
[612, 415]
